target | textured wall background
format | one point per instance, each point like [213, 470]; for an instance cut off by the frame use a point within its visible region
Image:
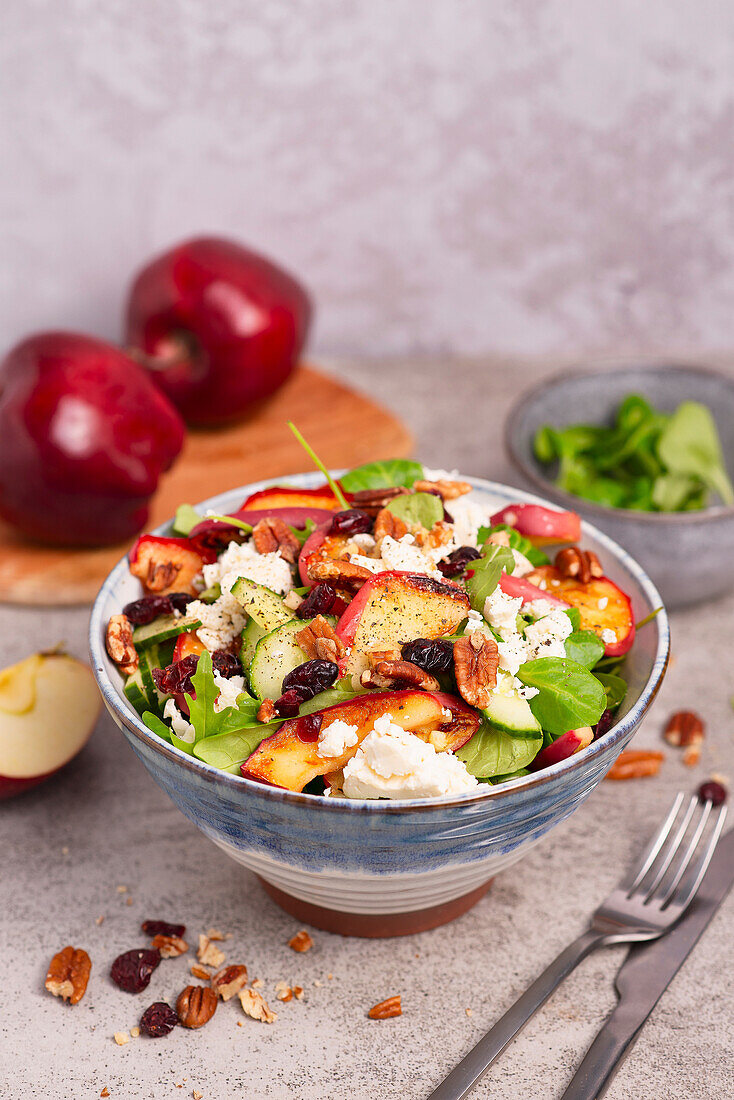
[448, 175]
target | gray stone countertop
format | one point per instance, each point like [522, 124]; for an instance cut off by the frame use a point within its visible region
[69, 848]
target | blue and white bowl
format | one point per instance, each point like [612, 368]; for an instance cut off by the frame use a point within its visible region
[385, 867]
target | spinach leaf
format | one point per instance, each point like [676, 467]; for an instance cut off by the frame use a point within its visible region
[670, 492]
[689, 445]
[483, 575]
[492, 752]
[569, 696]
[517, 542]
[423, 508]
[185, 520]
[614, 686]
[228, 751]
[585, 647]
[157, 725]
[575, 616]
[382, 475]
[495, 779]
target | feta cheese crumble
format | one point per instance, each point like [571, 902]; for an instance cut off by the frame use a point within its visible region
[243, 560]
[403, 554]
[468, 517]
[608, 636]
[229, 690]
[501, 611]
[336, 738]
[221, 621]
[546, 636]
[183, 729]
[392, 763]
[522, 565]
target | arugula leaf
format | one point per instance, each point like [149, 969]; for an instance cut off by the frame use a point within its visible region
[185, 520]
[157, 725]
[229, 750]
[423, 508]
[206, 721]
[648, 618]
[517, 542]
[614, 686]
[585, 647]
[483, 575]
[689, 445]
[333, 485]
[568, 695]
[382, 475]
[492, 752]
[302, 533]
[231, 521]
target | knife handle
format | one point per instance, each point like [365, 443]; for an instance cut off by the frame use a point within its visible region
[603, 1058]
[464, 1077]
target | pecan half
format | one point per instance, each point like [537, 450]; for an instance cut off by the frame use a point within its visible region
[119, 643]
[228, 981]
[196, 1005]
[684, 728]
[300, 942]
[68, 974]
[393, 674]
[372, 500]
[266, 711]
[386, 1009]
[447, 490]
[271, 535]
[475, 662]
[254, 1006]
[320, 640]
[170, 947]
[577, 563]
[387, 523]
[341, 574]
[635, 764]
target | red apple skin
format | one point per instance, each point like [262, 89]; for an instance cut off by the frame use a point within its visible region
[219, 325]
[518, 586]
[540, 524]
[84, 438]
[9, 787]
[564, 746]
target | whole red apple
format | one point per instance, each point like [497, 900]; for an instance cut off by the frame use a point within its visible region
[84, 438]
[218, 325]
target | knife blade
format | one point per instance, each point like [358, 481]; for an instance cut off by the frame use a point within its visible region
[645, 975]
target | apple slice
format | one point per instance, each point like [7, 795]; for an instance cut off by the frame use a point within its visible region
[564, 746]
[602, 606]
[540, 524]
[283, 496]
[49, 705]
[522, 587]
[166, 565]
[392, 608]
[289, 757]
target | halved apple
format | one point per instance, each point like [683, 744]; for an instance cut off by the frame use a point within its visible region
[49, 705]
[289, 757]
[392, 608]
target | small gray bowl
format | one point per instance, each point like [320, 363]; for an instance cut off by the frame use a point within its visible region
[689, 555]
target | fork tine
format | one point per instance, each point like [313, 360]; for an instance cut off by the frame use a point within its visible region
[687, 855]
[662, 864]
[655, 845]
[700, 870]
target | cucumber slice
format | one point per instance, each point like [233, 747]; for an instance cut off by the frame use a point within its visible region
[262, 604]
[150, 658]
[277, 654]
[512, 714]
[135, 693]
[163, 628]
[251, 635]
[211, 595]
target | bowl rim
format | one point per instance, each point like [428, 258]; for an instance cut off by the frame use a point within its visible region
[125, 716]
[544, 485]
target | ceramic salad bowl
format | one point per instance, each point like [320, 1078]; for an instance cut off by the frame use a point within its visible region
[380, 867]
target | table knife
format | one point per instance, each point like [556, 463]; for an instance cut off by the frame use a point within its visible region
[645, 975]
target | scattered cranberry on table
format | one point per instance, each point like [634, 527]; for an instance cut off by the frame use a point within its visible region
[712, 792]
[131, 971]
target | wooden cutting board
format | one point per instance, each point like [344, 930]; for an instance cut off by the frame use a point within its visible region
[345, 428]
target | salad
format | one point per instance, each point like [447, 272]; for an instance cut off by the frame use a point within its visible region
[382, 636]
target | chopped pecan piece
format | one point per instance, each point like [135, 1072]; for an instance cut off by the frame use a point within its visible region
[253, 1005]
[386, 1009]
[170, 947]
[208, 953]
[229, 980]
[387, 523]
[283, 991]
[684, 728]
[320, 640]
[266, 711]
[476, 658]
[300, 942]
[579, 564]
[447, 490]
[340, 574]
[200, 972]
[270, 535]
[68, 974]
[372, 500]
[635, 764]
[439, 535]
[119, 642]
[394, 674]
[196, 1005]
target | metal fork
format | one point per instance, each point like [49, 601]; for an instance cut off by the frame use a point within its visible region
[646, 903]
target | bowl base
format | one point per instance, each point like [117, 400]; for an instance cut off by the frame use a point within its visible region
[374, 925]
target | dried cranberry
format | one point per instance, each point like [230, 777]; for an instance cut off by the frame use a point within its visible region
[163, 928]
[432, 655]
[321, 600]
[604, 724]
[180, 600]
[712, 792]
[351, 522]
[290, 701]
[160, 1019]
[457, 561]
[132, 970]
[142, 612]
[226, 664]
[312, 676]
[176, 678]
